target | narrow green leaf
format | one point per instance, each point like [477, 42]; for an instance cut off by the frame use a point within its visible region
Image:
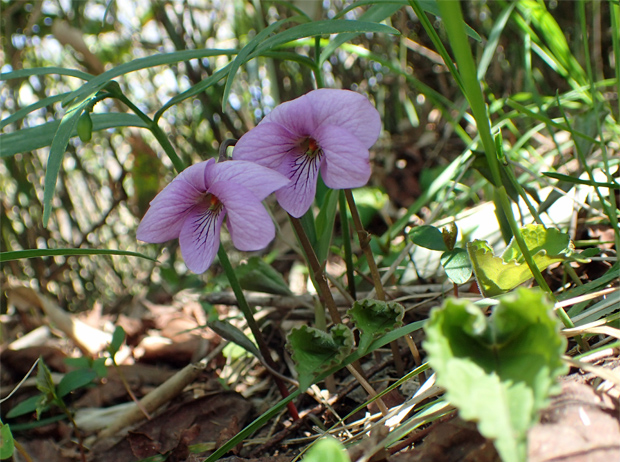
[25, 407]
[317, 28]
[233, 334]
[500, 370]
[375, 13]
[572, 179]
[161, 59]
[261, 277]
[29, 139]
[74, 380]
[193, 91]
[428, 237]
[324, 223]
[315, 351]
[493, 40]
[23, 112]
[22, 73]
[244, 56]
[37, 253]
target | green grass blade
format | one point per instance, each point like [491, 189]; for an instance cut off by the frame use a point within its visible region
[45, 71]
[193, 91]
[38, 253]
[317, 28]
[31, 108]
[489, 49]
[96, 83]
[244, 55]
[376, 13]
[29, 139]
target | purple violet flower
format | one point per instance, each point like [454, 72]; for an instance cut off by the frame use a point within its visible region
[325, 129]
[193, 206]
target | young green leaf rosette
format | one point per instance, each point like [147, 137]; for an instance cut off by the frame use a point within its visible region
[499, 371]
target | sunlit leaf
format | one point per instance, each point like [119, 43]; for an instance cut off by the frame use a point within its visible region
[497, 275]
[327, 449]
[500, 370]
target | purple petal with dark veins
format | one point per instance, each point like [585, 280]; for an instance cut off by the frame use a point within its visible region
[200, 237]
[296, 197]
[164, 219]
[266, 144]
[346, 164]
[249, 224]
[260, 181]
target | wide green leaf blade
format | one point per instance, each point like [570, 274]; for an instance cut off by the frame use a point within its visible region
[29, 139]
[498, 371]
[37, 253]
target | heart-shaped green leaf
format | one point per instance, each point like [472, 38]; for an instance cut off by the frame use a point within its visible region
[375, 318]
[315, 351]
[498, 370]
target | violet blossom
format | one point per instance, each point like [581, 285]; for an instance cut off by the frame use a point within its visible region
[327, 130]
[193, 206]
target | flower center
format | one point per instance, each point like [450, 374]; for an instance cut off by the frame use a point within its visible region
[311, 147]
[211, 202]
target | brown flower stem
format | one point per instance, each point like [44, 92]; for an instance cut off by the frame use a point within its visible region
[364, 238]
[318, 278]
[325, 293]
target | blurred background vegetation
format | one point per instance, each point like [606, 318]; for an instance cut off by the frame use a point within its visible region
[105, 185]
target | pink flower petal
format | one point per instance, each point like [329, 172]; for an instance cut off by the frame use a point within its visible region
[260, 181]
[249, 224]
[297, 116]
[346, 164]
[296, 197]
[266, 144]
[346, 109]
[164, 219]
[200, 237]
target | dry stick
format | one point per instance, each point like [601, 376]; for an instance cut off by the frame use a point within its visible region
[326, 297]
[364, 238]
